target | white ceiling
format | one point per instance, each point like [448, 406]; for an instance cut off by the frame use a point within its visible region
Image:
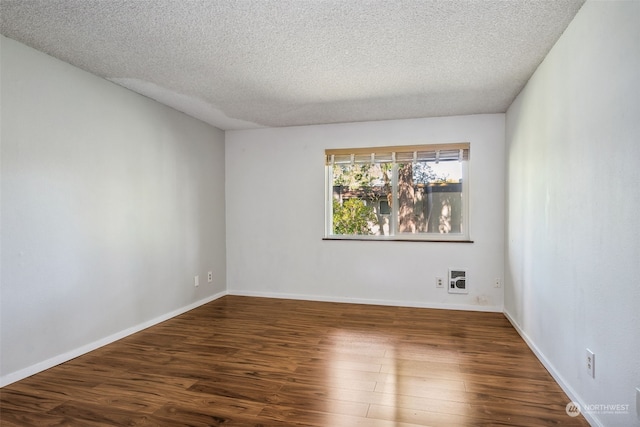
[240, 64]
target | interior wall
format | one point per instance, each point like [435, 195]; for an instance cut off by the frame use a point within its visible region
[111, 204]
[572, 250]
[275, 194]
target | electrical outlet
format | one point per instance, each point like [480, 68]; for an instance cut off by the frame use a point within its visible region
[210, 277]
[439, 282]
[497, 283]
[591, 363]
[196, 281]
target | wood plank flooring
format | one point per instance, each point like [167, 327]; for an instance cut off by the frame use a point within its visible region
[241, 361]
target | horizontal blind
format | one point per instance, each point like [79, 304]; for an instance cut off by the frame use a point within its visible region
[402, 154]
[342, 159]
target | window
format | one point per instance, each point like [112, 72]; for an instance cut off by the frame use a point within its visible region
[417, 192]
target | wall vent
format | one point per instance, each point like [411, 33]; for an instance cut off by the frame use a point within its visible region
[458, 282]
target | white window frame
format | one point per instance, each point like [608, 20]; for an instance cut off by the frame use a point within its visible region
[465, 236]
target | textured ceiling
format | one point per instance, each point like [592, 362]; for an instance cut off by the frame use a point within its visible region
[240, 64]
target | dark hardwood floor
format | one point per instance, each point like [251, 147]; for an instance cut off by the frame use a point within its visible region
[241, 361]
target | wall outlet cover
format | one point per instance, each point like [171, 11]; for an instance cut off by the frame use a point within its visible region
[591, 363]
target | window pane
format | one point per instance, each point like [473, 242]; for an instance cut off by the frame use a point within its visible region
[358, 192]
[430, 197]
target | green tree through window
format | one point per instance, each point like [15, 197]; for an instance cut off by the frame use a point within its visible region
[353, 216]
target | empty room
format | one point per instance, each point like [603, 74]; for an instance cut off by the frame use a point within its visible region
[319, 213]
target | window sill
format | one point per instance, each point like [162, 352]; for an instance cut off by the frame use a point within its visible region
[393, 239]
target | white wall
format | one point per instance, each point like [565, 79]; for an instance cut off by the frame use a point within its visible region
[278, 249]
[572, 242]
[111, 203]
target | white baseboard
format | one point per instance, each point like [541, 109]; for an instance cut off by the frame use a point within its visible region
[591, 419]
[65, 357]
[324, 298]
